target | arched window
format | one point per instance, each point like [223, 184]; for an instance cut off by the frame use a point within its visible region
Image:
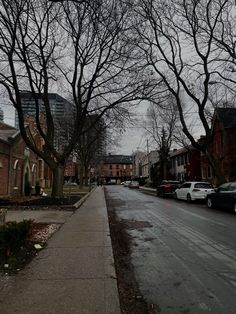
[33, 176]
[15, 168]
[15, 164]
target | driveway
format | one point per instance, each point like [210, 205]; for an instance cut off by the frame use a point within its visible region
[184, 255]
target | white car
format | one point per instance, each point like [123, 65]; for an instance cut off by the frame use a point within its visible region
[192, 191]
[126, 183]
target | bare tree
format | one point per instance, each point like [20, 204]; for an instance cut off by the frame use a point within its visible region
[185, 44]
[89, 148]
[81, 45]
[161, 124]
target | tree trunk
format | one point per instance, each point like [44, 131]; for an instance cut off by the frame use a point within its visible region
[164, 168]
[58, 181]
[81, 176]
[86, 175]
[215, 163]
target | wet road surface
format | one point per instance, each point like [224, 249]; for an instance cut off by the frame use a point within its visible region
[185, 262]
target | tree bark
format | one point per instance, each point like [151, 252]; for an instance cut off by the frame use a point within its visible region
[58, 180]
[86, 175]
[81, 176]
[216, 165]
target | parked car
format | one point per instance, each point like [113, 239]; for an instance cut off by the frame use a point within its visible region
[126, 183]
[223, 197]
[192, 191]
[134, 185]
[111, 182]
[167, 187]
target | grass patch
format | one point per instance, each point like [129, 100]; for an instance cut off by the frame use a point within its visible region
[70, 190]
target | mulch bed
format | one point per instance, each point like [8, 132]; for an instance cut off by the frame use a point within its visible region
[39, 234]
[39, 201]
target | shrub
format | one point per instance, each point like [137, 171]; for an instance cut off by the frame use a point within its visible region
[13, 235]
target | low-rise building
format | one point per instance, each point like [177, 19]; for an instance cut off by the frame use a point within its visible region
[19, 165]
[223, 146]
[115, 167]
[185, 164]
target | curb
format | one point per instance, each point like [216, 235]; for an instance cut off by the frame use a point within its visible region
[148, 191]
[83, 199]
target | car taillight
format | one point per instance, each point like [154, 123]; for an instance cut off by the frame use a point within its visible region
[196, 190]
[167, 186]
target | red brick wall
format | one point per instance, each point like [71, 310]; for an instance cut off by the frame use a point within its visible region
[70, 170]
[4, 174]
[224, 149]
[116, 170]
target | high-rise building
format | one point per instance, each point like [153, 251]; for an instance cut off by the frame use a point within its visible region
[60, 107]
[1, 115]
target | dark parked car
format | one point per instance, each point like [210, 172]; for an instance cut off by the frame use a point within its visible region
[224, 197]
[167, 187]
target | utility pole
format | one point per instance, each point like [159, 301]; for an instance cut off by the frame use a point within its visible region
[148, 160]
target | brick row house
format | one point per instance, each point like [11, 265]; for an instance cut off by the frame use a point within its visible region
[223, 145]
[18, 164]
[115, 167]
[186, 164]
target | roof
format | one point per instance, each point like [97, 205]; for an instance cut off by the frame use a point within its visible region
[181, 151]
[227, 116]
[7, 131]
[27, 95]
[118, 159]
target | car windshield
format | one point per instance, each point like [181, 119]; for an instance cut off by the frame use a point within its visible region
[203, 186]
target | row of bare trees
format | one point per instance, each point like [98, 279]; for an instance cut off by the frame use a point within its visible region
[190, 46]
[81, 47]
[113, 53]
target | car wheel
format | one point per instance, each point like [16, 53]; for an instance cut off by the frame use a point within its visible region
[235, 208]
[209, 203]
[189, 198]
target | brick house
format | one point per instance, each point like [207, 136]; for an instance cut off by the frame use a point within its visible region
[116, 167]
[223, 144]
[18, 163]
[185, 164]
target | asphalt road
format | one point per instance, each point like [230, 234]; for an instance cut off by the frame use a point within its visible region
[185, 262]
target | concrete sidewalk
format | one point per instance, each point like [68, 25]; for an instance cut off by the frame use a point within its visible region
[73, 274]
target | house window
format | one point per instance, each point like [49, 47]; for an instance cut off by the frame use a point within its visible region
[16, 167]
[178, 160]
[110, 166]
[130, 166]
[111, 174]
[117, 166]
[124, 166]
[209, 171]
[117, 173]
[172, 163]
[186, 159]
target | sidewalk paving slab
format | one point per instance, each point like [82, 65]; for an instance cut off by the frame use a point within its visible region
[74, 274]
